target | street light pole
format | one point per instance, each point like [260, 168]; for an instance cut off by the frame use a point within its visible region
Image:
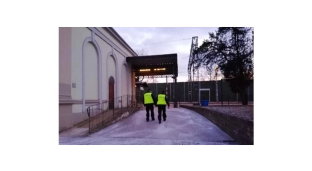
[175, 92]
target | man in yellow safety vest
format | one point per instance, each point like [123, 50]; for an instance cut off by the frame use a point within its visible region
[161, 103]
[149, 101]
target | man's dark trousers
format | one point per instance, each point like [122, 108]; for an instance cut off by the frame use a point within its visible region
[149, 107]
[162, 109]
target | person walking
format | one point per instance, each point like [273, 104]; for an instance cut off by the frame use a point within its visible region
[149, 101]
[162, 100]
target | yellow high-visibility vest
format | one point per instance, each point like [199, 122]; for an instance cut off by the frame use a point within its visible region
[148, 98]
[161, 99]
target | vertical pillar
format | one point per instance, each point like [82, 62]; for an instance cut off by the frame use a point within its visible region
[133, 91]
[184, 91]
[221, 92]
[237, 97]
[248, 93]
[166, 86]
[66, 85]
[170, 93]
[156, 89]
[188, 91]
[217, 91]
[175, 92]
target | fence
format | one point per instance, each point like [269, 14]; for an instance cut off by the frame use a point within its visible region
[103, 114]
[188, 91]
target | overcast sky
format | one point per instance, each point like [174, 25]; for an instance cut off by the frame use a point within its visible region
[165, 40]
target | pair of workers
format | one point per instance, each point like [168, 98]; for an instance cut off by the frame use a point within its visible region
[161, 101]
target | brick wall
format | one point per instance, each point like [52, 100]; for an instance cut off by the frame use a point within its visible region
[239, 129]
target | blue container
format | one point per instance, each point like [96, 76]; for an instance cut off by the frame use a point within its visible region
[204, 102]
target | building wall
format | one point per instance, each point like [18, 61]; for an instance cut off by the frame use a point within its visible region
[133, 90]
[65, 55]
[112, 65]
[79, 34]
[106, 50]
[86, 57]
[65, 110]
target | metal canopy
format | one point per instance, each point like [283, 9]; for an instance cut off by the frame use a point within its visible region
[141, 84]
[166, 64]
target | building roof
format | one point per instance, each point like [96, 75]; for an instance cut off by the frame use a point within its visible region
[165, 64]
[114, 33]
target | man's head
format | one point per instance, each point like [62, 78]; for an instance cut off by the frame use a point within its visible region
[163, 92]
[149, 90]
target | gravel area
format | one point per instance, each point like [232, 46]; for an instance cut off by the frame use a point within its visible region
[244, 112]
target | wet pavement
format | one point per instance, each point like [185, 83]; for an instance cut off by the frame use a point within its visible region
[182, 127]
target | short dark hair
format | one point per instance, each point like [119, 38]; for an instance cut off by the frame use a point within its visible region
[149, 90]
[163, 92]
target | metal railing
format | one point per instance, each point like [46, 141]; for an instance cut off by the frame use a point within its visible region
[103, 114]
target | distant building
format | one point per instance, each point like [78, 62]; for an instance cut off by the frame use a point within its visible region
[92, 69]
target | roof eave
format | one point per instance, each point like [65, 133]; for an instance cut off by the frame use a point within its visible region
[113, 32]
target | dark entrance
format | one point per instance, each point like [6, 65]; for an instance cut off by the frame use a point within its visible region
[111, 83]
[165, 65]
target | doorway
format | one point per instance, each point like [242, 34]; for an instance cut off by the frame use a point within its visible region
[111, 84]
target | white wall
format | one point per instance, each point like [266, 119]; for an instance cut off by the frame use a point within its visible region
[105, 49]
[76, 108]
[110, 67]
[120, 60]
[91, 72]
[114, 41]
[78, 36]
[123, 82]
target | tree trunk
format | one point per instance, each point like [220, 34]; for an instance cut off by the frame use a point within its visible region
[243, 95]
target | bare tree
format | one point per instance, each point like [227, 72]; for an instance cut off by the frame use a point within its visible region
[203, 74]
[143, 52]
[208, 73]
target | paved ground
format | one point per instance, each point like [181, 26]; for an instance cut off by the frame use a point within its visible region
[182, 127]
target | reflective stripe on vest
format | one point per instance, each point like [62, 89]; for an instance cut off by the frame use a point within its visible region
[161, 99]
[148, 98]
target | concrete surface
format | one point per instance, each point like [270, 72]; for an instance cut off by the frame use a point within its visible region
[182, 127]
[75, 132]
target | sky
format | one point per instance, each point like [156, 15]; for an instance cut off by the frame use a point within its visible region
[165, 40]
